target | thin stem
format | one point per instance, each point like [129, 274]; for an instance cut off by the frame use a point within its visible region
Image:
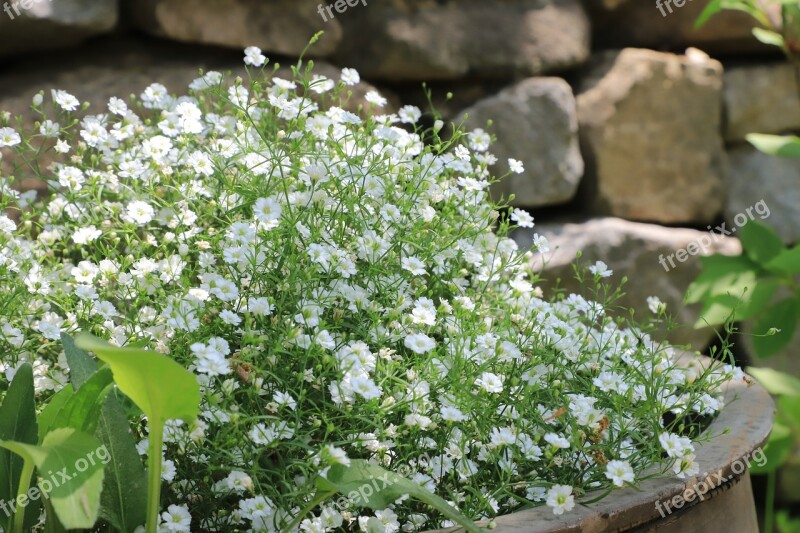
[318, 499]
[769, 505]
[154, 473]
[24, 483]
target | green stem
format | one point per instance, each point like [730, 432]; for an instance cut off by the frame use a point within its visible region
[24, 483]
[318, 499]
[769, 505]
[154, 472]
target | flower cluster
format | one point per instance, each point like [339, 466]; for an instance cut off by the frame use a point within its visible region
[343, 287]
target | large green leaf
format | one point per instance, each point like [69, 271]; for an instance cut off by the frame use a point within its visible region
[49, 415]
[777, 450]
[760, 242]
[717, 309]
[67, 460]
[161, 388]
[787, 262]
[17, 423]
[769, 37]
[722, 274]
[377, 488]
[82, 410]
[123, 502]
[777, 383]
[775, 327]
[779, 145]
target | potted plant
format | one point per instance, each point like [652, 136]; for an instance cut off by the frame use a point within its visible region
[371, 348]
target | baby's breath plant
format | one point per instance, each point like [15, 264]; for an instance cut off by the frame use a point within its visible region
[343, 288]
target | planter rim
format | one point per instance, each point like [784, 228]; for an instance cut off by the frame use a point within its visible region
[741, 427]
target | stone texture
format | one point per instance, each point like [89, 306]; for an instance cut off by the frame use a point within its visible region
[436, 40]
[650, 135]
[277, 26]
[631, 250]
[622, 23]
[755, 176]
[761, 99]
[536, 122]
[50, 24]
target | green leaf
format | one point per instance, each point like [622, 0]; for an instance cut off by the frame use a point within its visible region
[161, 388]
[779, 145]
[777, 383]
[789, 412]
[786, 263]
[82, 410]
[376, 488]
[777, 450]
[717, 309]
[769, 37]
[77, 474]
[123, 502]
[713, 7]
[50, 413]
[17, 423]
[775, 327]
[722, 274]
[760, 242]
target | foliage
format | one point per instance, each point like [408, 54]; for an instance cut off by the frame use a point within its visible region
[326, 295]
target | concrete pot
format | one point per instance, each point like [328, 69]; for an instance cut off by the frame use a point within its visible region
[698, 504]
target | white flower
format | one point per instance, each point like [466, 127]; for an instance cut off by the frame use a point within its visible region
[413, 265]
[267, 209]
[350, 76]
[373, 97]
[365, 387]
[619, 472]
[9, 137]
[419, 343]
[522, 218]
[686, 466]
[600, 269]
[139, 212]
[502, 437]
[336, 455]
[560, 498]
[556, 440]
[655, 305]
[7, 225]
[409, 114]
[516, 166]
[86, 235]
[675, 445]
[66, 101]
[253, 56]
[490, 382]
[176, 518]
[117, 106]
[540, 243]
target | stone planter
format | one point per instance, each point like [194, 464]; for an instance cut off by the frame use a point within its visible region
[726, 506]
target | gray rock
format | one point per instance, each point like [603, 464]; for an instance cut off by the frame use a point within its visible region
[633, 250]
[755, 176]
[439, 40]
[761, 99]
[536, 122]
[276, 26]
[650, 136]
[47, 24]
[623, 23]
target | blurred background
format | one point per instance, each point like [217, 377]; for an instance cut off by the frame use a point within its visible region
[631, 124]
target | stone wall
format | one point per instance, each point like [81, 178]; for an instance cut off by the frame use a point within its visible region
[630, 123]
